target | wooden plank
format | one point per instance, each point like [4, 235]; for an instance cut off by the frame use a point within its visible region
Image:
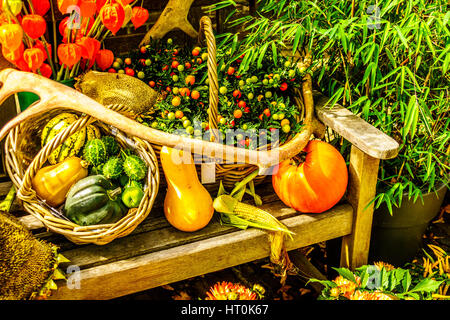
[200, 257]
[156, 240]
[363, 171]
[360, 133]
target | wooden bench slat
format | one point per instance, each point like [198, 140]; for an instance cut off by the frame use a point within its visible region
[154, 269]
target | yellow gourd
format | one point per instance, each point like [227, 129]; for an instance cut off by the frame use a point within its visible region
[188, 206]
[52, 183]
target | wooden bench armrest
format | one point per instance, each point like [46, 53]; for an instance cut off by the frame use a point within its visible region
[361, 134]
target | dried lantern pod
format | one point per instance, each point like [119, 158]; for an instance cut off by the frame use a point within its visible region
[112, 16]
[46, 70]
[34, 25]
[41, 7]
[34, 57]
[104, 59]
[139, 16]
[13, 55]
[89, 47]
[69, 53]
[88, 8]
[11, 36]
[15, 6]
[63, 5]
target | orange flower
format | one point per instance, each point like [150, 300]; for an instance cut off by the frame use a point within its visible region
[230, 291]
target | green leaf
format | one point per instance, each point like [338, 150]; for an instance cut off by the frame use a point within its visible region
[298, 35]
[427, 285]
[406, 282]
[346, 274]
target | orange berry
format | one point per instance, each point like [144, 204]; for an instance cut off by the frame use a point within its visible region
[179, 114]
[195, 94]
[237, 113]
[176, 101]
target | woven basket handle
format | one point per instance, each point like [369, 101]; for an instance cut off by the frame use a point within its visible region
[206, 32]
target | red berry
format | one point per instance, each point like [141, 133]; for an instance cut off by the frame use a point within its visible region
[242, 104]
[237, 94]
[152, 84]
[247, 109]
[230, 71]
[187, 65]
[129, 72]
[165, 67]
[127, 61]
[175, 64]
[143, 49]
[112, 70]
[195, 52]
[284, 86]
[267, 112]
[195, 94]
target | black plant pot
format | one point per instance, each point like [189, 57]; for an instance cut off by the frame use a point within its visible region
[397, 238]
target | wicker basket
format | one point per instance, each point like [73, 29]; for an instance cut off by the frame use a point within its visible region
[228, 174]
[24, 159]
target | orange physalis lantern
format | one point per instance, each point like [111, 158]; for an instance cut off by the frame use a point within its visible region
[42, 46]
[46, 70]
[88, 8]
[112, 16]
[15, 6]
[34, 25]
[11, 36]
[13, 55]
[100, 4]
[139, 16]
[69, 53]
[89, 47]
[41, 7]
[22, 65]
[63, 5]
[34, 57]
[104, 59]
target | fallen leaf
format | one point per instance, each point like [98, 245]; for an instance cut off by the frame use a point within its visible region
[182, 296]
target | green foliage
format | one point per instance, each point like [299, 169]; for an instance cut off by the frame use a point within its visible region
[387, 62]
[374, 282]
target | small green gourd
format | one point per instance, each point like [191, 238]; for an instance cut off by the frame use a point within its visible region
[112, 147]
[95, 152]
[113, 168]
[134, 167]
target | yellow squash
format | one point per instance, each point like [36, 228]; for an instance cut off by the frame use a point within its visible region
[52, 183]
[188, 206]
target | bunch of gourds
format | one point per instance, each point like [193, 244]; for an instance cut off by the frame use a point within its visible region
[92, 178]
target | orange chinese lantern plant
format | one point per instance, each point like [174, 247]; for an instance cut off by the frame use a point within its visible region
[63, 5]
[11, 36]
[69, 53]
[112, 16]
[13, 55]
[41, 7]
[100, 4]
[46, 70]
[34, 25]
[315, 185]
[104, 59]
[42, 46]
[89, 47]
[34, 57]
[88, 8]
[139, 16]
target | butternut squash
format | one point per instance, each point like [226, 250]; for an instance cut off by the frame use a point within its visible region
[188, 206]
[52, 183]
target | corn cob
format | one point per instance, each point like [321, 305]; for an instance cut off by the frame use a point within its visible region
[253, 215]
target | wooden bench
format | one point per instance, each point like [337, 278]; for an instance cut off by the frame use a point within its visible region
[155, 253]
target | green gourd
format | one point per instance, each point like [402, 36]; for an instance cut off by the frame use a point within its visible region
[112, 147]
[94, 152]
[113, 168]
[94, 200]
[134, 167]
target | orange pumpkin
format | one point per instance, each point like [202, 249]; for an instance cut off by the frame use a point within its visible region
[314, 185]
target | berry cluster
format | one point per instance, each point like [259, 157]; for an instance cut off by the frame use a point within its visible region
[259, 99]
